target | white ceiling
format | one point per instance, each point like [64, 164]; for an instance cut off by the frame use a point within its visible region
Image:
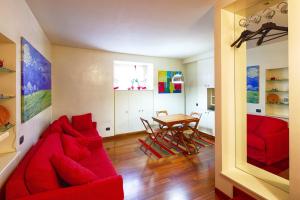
[165, 28]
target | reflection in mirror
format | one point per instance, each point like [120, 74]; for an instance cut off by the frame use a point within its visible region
[266, 45]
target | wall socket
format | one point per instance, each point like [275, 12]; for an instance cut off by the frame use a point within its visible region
[197, 104]
[258, 110]
[107, 128]
[21, 139]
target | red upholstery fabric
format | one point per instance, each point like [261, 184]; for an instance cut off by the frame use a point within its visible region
[91, 142]
[68, 129]
[110, 188]
[253, 121]
[73, 148]
[82, 122]
[95, 164]
[36, 171]
[16, 180]
[255, 142]
[56, 127]
[39, 175]
[267, 139]
[90, 132]
[71, 171]
[271, 125]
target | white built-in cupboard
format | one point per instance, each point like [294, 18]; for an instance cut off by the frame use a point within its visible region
[129, 107]
[198, 77]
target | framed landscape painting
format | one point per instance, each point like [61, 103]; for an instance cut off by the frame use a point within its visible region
[253, 84]
[35, 82]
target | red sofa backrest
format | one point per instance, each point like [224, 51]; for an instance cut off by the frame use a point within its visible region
[262, 125]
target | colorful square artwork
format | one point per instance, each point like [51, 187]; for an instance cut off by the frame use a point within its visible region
[253, 84]
[35, 82]
[165, 84]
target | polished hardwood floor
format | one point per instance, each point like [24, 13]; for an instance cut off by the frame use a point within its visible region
[173, 178]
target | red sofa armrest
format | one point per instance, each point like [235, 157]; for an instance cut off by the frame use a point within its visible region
[277, 145]
[106, 189]
[95, 125]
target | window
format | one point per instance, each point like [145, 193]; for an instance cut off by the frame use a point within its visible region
[133, 76]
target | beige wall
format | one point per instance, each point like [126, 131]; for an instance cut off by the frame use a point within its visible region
[83, 82]
[16, 20]
[274, 55]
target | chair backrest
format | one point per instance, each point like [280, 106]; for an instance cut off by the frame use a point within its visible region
[196, 115]
[148, 128]
[161, 113]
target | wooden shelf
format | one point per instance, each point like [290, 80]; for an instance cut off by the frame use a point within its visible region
[278, 80]
[270, 91]
[6, 128]
[6, 97]
[279, 104]
[6, 70]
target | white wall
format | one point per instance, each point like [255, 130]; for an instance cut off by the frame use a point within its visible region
[83, 82]
[16, 20]
[198, 77]
[267, 57]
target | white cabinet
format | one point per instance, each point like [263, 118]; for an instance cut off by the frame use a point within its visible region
[207, 123]
[206, 73]
[121, 112]
[129, 107]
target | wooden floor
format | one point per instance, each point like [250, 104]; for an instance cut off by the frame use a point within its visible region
[172, 178]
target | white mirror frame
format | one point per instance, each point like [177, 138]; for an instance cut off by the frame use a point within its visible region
[227, 172]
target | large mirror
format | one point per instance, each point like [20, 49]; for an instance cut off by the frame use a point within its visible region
[262, 90]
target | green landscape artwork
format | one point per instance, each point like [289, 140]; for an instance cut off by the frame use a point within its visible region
[253, 84]
[35, 82]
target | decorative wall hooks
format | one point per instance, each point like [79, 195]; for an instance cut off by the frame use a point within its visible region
[244, 23]
[283, 7]
[267, 13]
[264, 33]
[255, 19]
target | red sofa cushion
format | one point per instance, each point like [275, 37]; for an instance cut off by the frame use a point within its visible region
[99, 163]
[68, 129]
[73, 148]
[16, 180]
[82, 122]
[90, 132]
[40, 175]
[255, 142]
[71, 171]
[271, 125]
[56, 126]
[253, 122]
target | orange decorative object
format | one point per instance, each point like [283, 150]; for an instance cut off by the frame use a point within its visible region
[273, 99]
[4, 116]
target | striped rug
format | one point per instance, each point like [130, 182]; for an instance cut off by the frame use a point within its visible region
[163, 148]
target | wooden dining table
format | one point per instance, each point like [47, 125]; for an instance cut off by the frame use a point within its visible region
[172, 122]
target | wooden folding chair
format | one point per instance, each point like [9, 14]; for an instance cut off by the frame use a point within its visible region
[152, 133]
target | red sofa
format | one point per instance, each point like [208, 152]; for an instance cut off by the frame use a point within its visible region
[267, 139]
[37, 178]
